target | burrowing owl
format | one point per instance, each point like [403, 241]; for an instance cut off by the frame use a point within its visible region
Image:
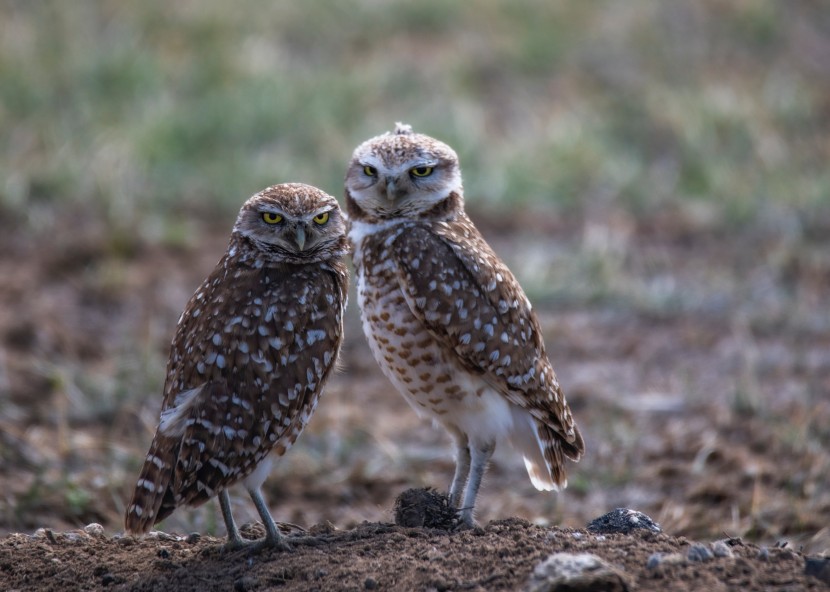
[446, 320]
[251, 353]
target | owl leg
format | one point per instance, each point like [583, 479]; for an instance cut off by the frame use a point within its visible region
[273, 538]
[479, 456]
[234, 540]
[462, 469]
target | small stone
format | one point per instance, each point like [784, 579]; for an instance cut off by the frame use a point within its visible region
[322, 528]
[575, 572]
[721, 549]
[193, 538]
[45, 533]
[700, 553]
[245, 583]
[94, 529]
[763, 554]
[655, 560]
[622, 520]
[109, 579]
[818, 567]
[161, 536]
[370, 583]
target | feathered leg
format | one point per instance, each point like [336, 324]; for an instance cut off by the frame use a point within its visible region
[462, 470]
[479, 456]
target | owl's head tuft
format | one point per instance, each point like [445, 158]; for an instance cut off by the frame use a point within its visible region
[403, 174]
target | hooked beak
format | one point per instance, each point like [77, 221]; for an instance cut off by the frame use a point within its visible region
[391, 190]
[300, 237]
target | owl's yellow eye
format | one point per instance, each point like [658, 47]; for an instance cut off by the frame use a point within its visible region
[422, 171]
[271, 218]
[370, 171]
[321, 218]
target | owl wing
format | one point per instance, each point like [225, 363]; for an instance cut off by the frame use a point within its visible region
[278, 351]
[469, 301]
[243, 379]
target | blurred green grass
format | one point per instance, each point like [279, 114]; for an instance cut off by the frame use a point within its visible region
[144, 113]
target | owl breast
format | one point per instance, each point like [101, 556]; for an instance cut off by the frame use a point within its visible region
[425, 373]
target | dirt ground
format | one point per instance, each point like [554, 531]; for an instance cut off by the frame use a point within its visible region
[696, 361]
[382, 556]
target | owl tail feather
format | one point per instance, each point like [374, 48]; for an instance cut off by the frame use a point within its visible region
[544, 451]
[152, 499]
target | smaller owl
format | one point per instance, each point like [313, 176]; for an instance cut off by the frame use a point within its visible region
[447, 322]
[252, 351]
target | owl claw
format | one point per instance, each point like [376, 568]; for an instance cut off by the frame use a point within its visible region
[465, 525]
[257, 546]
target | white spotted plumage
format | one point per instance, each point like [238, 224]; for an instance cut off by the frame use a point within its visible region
[245, 371]
[446, 320]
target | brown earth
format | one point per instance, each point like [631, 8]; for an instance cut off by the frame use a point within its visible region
[382, 556]
[696, 361]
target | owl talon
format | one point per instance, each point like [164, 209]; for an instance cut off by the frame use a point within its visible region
[306, 541]
[257, 546]
[464, 526]
[466, 520]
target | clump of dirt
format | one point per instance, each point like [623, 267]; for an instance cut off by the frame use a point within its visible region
[379, 556]
[425, 507]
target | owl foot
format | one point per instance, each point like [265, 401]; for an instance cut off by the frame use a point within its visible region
[466, 521]
[255, 546]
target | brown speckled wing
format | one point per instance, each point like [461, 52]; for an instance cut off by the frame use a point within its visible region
[471, 302]
[248, 361]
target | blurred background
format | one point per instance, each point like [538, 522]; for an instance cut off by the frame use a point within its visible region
[655, 173]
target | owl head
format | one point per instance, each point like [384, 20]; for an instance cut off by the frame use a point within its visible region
[402, 174]
[292, 223]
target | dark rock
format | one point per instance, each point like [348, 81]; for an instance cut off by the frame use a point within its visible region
[109, 579]
[245, 584]
[818, 567]
[623, 521]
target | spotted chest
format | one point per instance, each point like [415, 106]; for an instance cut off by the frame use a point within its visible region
[427, 374]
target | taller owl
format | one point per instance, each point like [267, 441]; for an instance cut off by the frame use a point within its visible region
[446, 321]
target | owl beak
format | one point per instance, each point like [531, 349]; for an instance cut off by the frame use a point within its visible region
[300, 237]
[391, 189]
